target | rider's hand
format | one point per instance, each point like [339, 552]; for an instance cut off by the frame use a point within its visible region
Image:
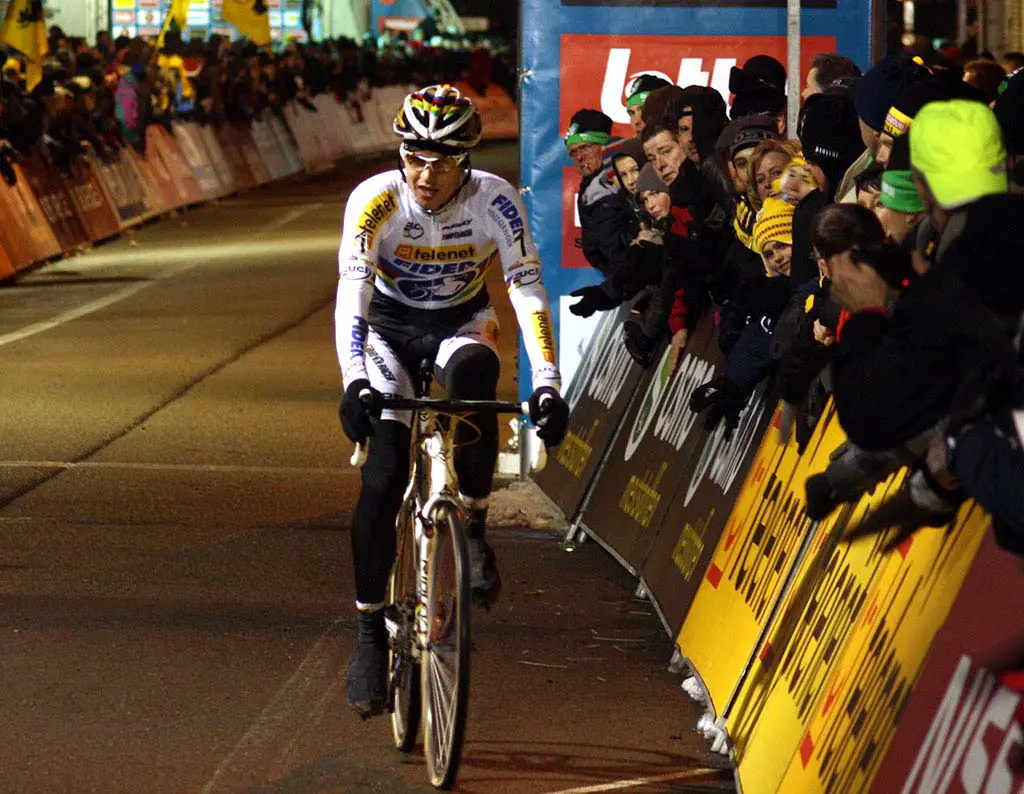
[360, 408]
[550, 413]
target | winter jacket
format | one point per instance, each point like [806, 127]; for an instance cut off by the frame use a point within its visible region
[607, 220]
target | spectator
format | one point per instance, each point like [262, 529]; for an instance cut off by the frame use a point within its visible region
[768, 161]
[636, 95]
[1009, 112]
[606, 220]
[869, 187]
[900, 207]
[986, 76]
[1012, 61]
[759, 88]
[826, 69]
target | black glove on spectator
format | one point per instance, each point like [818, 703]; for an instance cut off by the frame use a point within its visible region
[592, 299]
[360, 408]
[640, 346]
[723, 400]
[550, 413]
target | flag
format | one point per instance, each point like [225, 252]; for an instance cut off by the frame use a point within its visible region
[178, 14]
[250, 17]
[24, 30]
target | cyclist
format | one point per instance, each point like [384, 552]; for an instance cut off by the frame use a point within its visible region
[415, 246]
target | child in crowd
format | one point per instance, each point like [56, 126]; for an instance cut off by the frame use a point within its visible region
[797, 181]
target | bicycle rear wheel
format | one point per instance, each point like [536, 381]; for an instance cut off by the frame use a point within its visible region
[403, 669]
[445, 664]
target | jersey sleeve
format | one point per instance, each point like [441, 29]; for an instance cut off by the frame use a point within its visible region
[521, 264]
[369, 209]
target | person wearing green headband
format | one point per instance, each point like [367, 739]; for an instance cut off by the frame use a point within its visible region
[589, 132]
[899, 206]
[637, 92]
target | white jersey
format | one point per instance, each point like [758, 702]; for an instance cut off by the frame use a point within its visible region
[438, 261]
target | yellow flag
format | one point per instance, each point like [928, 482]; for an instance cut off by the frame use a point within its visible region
[250, 17]
[24, 30]
[178, 13]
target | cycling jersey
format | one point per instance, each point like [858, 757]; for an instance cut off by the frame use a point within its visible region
[438, 261]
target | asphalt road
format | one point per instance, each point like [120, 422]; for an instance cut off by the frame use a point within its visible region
[175, 574]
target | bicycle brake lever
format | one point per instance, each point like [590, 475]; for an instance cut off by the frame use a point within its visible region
[359, 454]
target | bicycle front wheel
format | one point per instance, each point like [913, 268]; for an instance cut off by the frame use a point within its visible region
[403, 670]
[445, 662]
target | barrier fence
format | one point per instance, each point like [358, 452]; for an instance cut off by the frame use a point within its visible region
[48, 213]
[824, 664]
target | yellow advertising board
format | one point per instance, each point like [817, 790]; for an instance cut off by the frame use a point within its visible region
[859, 703]
[754, 558]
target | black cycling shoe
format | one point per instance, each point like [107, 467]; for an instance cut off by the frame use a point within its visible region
[484, 579]
[367, 686]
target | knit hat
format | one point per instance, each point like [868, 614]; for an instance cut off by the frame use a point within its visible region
[899, 193]
[657, 101]
[649, 180]
[774, 223]
[757, 102]
[745, 133]
[641, 87]
[1009, 110]
[631, 148]
[907, 105]
[957, 148]
[706, 110]
[829, 134]
[761, 71]
[879, 87]
[589, 126]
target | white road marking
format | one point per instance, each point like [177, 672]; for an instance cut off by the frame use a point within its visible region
[132, 289]
[288, 712]
[636, 783]
[204, 467]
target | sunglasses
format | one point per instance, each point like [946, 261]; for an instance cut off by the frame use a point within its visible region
[440, 164]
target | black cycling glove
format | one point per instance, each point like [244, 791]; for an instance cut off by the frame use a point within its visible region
[550, 415]
[360, 408]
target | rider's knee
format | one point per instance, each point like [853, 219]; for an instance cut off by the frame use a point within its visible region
[472, 373]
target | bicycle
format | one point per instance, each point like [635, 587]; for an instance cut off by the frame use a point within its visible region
[428, 601]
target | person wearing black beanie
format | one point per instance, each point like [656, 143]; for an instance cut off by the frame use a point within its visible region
[698, 115]
[830, 138]
[759, 88]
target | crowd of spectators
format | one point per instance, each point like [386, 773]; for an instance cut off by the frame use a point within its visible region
[872, 255]
[98, 97]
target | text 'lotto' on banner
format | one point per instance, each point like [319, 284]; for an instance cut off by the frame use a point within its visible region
[582, 53]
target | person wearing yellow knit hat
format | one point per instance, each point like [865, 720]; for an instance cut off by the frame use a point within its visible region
[773, 236]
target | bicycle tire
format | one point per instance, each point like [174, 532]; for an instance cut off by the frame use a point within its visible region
[444, 665]
[403, 670]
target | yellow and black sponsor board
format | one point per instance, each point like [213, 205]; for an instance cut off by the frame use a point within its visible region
[753, 560]
[699, 508]
[598, 396]
[651, 452]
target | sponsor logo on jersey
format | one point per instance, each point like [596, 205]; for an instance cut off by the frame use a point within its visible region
[438, 289]
[360, 331]
[457, 235]
[445, 253]
[427, 269]
[458, 225]
[524, 274]
[381, 364]
[378, 210]
[355, 270]
[412, 231]
[504, 211]
[542, 332]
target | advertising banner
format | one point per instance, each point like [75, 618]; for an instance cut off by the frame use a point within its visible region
[186, 135]
[6, 265]
[218, 159]
[582, 53]
[751, 565]
[25, 231]
[161, 143]
[90, 197]
[55, 202]
[657, 449]
[598, 396]
[960, 730]
[698, 510]
[230, 140]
